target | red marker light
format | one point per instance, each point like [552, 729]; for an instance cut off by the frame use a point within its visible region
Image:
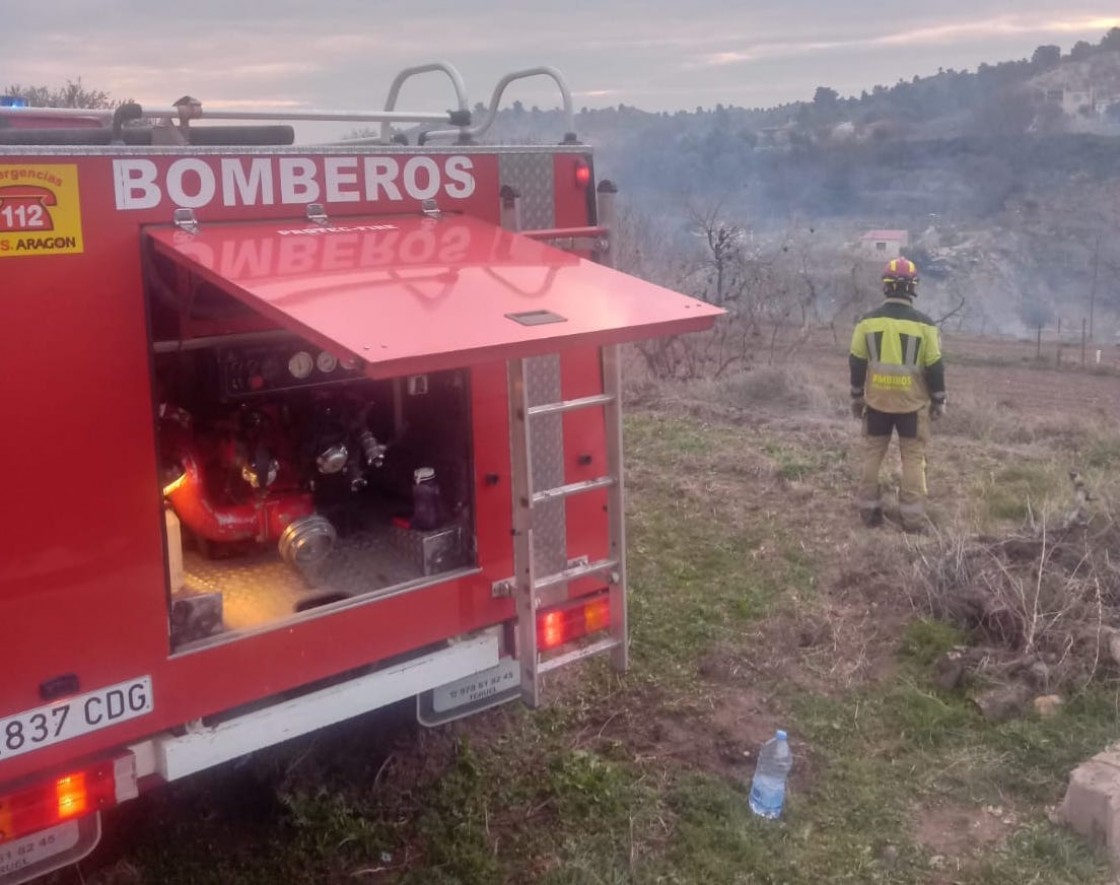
[559, 626]
[551, 628]
[58, 799]
[583, 174]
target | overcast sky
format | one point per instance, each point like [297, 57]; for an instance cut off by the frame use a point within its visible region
[654, 54]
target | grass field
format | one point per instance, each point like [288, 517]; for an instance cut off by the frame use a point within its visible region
[757, 602]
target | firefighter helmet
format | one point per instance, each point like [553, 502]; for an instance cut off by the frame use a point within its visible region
[900, 276]
[900, 270]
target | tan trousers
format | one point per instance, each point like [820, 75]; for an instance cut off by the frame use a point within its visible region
[912, 493]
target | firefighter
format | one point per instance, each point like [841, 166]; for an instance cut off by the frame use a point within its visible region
[898, 384]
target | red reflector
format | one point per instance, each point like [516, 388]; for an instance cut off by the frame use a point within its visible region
[60, 799]
[583, 174]
[550, 630]
[559, 626]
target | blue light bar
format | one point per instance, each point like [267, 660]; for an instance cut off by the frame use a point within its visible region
[12, 101]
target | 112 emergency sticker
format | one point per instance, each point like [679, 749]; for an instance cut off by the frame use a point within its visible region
[40, 212]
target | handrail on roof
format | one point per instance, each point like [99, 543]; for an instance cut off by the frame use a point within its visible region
[492, 111]
[431, 67]
[460, 118]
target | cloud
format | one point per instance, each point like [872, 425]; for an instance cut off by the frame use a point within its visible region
[344, 53]
[718, 59]
[950, 33]
[986, 28]
[274, 69]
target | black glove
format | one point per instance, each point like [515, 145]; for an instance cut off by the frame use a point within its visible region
[858, 408]
[937, 409]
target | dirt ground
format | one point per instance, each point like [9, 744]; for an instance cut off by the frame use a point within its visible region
[832, 635]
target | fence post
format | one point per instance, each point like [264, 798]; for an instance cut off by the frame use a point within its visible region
[1038, 346]
[1083, 327]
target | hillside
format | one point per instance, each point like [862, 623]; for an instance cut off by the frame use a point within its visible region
[1005, 178]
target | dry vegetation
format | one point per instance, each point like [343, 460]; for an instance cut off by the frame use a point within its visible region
[1042, 602]
[757, 601]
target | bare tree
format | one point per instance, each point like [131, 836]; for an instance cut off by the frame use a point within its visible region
[72, 95]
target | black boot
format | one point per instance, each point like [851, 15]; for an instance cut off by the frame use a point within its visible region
[872, 518]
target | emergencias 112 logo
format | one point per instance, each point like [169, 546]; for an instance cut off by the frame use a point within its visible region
[40, 213]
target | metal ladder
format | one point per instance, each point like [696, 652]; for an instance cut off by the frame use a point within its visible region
[534, 592]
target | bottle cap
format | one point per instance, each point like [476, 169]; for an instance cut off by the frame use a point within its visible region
[781, 735]
[423, 474]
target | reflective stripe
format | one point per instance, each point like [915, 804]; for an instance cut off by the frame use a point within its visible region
[857, 391]
[872, 348]
[911, 358]
[911, 509]
[891, 369]
[869, 503]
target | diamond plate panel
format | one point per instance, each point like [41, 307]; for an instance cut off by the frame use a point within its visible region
[532, 175]
[546, 440]
[542, 380]
[261, 588]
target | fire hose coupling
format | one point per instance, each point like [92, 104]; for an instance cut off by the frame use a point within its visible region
[332, 459]
[308, 541]
[372, 449]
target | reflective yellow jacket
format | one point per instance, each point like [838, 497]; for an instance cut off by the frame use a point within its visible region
[895, 359]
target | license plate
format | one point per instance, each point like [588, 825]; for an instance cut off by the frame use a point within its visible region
[23, 855]
[476, 687]
[30, 857]
[73, 717]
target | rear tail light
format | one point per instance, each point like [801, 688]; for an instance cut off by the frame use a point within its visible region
[583, 174]
[559, 626]
[72, 795]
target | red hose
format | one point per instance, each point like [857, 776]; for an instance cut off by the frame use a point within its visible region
[263, 520]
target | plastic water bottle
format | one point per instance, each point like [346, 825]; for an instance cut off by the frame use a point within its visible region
[768, 789]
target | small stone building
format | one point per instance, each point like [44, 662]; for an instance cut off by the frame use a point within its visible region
[885, 244]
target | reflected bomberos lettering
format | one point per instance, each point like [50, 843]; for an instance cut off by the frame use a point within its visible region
[454, 244]
[297, 256]
[247, 258]
[339, 252]
[363, 247]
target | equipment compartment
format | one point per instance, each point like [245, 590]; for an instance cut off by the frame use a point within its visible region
[294, 481]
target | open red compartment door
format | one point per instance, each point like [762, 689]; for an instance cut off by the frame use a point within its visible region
[416, 294]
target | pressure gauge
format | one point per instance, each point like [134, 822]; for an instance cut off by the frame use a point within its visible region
[301, 364]
[326, 362]
[349, 363]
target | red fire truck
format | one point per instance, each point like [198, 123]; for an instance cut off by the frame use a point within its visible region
[291, 433]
